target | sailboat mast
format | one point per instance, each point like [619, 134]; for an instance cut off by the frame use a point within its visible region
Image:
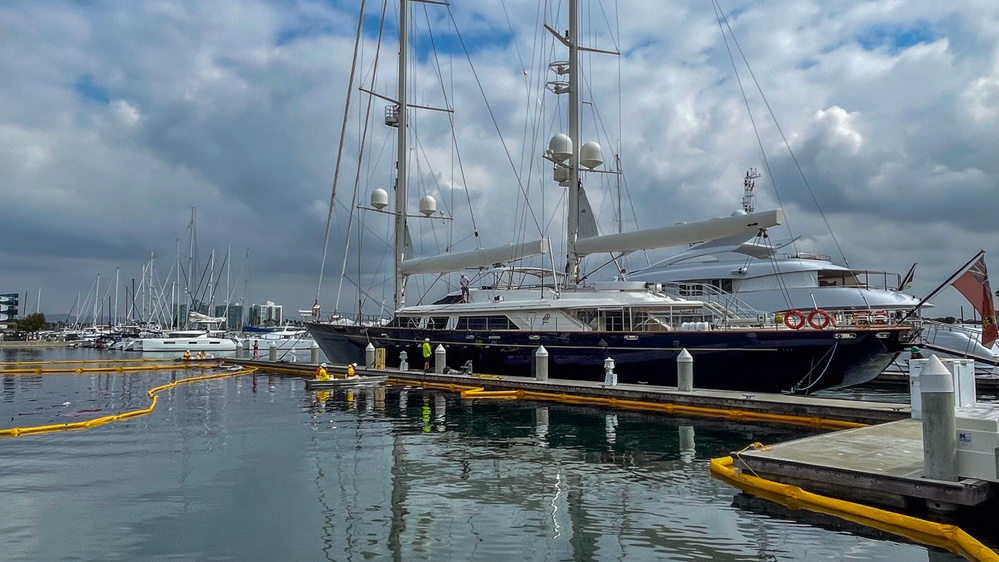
[572, 198]
[400, 183]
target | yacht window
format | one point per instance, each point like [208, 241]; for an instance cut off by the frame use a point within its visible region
[587, 316]
[613, 320]
[437, 322]
[484, 323]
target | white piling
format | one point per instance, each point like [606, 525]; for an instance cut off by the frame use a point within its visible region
[936, 385]
[272, 352]
[403, 360]
[314, 353]
[685, 371]
[440, 359]
[369, 356]
[541, 364]
[239, 348]
[610, 377]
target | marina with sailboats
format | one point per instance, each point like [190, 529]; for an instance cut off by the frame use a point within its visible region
[492, 338]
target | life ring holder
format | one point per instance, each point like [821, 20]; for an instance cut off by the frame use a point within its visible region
[819, 319]
[794, 319]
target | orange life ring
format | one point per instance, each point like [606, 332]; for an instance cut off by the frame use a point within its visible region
[794, 319]
[823, 320]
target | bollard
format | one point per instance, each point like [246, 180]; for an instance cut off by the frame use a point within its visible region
[541, 364]
[369, 356]
[403, 360]
[440, 359]
[272, 352]
[685, 371]
[936, 384]
[610, 377]
[314, 353]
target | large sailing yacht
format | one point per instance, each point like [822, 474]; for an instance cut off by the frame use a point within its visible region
[643, 326]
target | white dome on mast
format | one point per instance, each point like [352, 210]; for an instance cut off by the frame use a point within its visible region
[428, 205]
[379, 199]
[560, 147]
[591, 155]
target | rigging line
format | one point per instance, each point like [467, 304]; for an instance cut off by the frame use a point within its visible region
[492, 115]
[634, 213]
[720, 17]
[339, 156]
[788, 145]
[360, 155]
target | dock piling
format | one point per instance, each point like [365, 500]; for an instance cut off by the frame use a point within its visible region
[685, 371]
[314, 353]
[440, 359]
[936, 385]
[541, 364]
[272, 352]
[403, 360]
[369, 356]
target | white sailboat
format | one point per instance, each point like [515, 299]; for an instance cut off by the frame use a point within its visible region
[640, 326]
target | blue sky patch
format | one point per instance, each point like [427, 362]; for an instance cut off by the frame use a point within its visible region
[89, 89]
[896, 38]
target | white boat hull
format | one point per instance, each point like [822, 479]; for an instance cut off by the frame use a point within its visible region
[180, 345]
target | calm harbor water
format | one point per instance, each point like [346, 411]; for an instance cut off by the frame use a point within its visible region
[255, 468]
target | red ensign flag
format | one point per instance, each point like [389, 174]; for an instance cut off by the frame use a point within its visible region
[974, 285]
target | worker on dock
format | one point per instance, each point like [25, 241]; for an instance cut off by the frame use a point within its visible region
[916, 353]
[256, 349]
[426, 355]
[351, 370]
[187, 355]
[321, 373]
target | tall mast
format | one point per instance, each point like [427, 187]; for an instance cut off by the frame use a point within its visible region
[572, 223]
[400, 182]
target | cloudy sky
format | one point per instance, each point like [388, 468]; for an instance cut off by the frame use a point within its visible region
[119, 118]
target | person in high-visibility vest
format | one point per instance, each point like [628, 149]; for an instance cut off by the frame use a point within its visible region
[351, 370]
[187, 356]
[426, 355]
[321, 373]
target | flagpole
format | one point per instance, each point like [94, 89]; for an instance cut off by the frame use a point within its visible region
[960, 272]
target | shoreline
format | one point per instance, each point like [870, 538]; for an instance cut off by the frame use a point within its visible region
[35, 344]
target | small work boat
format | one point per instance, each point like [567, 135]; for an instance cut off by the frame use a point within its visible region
[314, 384]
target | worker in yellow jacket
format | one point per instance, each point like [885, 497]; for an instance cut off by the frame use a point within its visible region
[321, 373]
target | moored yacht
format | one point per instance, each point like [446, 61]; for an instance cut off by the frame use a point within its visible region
[639, 327]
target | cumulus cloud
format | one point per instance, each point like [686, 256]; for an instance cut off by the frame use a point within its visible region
[117, 119]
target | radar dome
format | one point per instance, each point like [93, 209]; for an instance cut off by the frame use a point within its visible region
[428, 205]
[590, 155]
[560, 147]
[379, 199]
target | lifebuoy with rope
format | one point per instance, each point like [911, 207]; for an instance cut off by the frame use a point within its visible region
[794, 319]
[819, 319]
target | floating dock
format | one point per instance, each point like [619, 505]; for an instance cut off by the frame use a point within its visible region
[880, 464]
[733, 404]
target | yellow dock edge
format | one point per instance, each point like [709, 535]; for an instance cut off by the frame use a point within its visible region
[941, 535]
[479, 392]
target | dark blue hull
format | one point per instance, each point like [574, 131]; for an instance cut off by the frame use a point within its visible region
[758, 361]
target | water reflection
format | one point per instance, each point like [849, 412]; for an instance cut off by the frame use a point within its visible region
[392, 473]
